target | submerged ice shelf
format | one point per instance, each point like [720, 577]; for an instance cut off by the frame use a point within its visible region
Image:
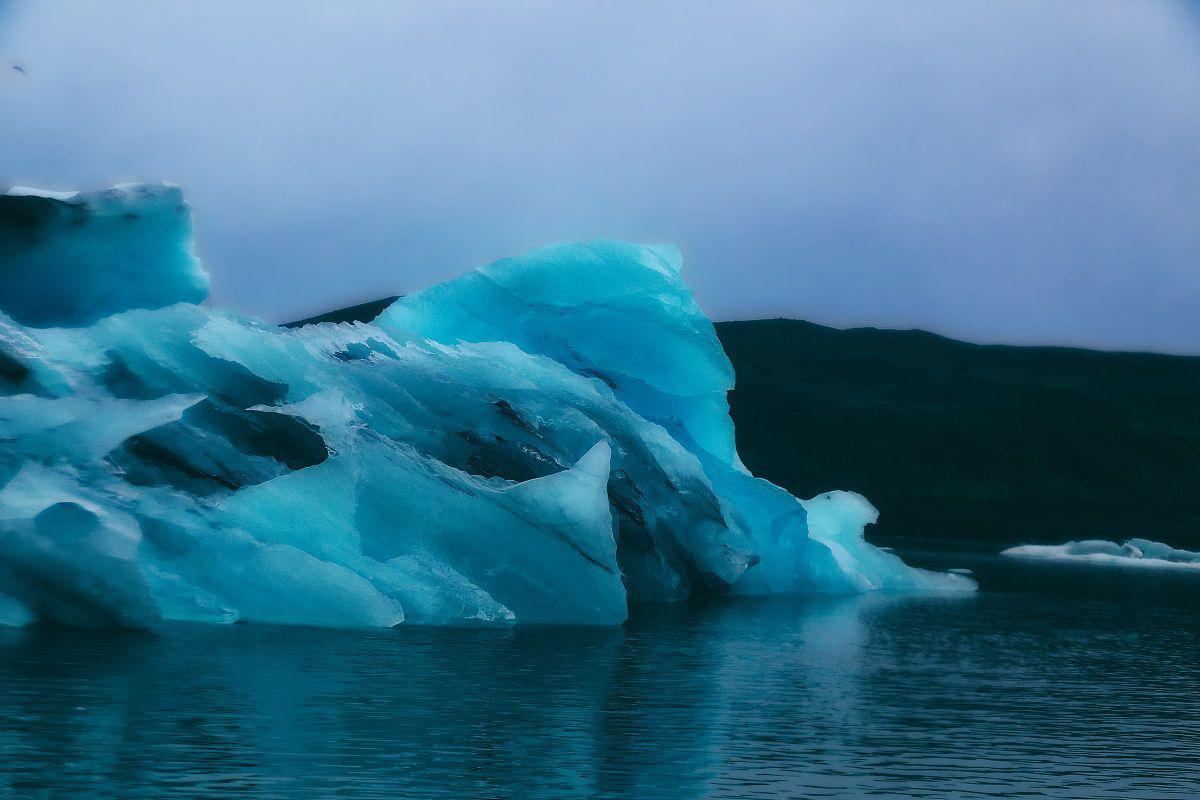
[540, 441]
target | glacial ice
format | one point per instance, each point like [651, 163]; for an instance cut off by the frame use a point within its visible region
[540, 441]
[1141, 553]
[70, 258]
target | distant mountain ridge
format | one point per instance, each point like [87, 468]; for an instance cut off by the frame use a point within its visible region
[959, 441]
[363, 312]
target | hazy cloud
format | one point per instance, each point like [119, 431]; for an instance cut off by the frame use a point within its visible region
[995, 170]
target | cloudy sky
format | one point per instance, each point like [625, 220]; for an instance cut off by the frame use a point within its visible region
[999, 171]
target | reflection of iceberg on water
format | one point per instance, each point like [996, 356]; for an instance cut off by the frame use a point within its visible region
[538, 441]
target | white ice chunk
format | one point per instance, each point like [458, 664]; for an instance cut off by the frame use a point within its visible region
[1139, 553]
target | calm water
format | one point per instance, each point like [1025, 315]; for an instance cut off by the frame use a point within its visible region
[1083, 684]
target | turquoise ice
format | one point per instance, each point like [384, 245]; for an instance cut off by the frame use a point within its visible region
[541, 441]
[70, 258]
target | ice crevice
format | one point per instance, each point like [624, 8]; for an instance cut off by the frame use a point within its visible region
[541, 441]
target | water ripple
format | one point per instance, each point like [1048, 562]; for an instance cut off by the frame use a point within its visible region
[998, 695]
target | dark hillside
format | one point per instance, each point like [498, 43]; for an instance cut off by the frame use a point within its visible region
[363, 312]
[957, 440]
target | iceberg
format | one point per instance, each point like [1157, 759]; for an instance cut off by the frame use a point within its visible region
[541, 441]
[1142, 553]
[71, 258]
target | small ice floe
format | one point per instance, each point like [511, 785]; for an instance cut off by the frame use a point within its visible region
[960, 571]
[1133, 553]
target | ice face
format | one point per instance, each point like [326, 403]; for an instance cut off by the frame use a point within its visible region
[613, 311]
[70, 258]
[621, 314]
[540, 441]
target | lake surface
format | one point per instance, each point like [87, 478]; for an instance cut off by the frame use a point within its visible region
[1053, 682]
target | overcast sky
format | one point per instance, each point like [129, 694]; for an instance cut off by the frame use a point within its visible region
[998, 171]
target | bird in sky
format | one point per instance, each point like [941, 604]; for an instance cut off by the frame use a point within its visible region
[19, 69]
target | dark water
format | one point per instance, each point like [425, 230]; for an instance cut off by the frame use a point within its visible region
[1081, 684]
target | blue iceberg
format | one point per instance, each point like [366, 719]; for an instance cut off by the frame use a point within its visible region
[541, 441]
[71, 258]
